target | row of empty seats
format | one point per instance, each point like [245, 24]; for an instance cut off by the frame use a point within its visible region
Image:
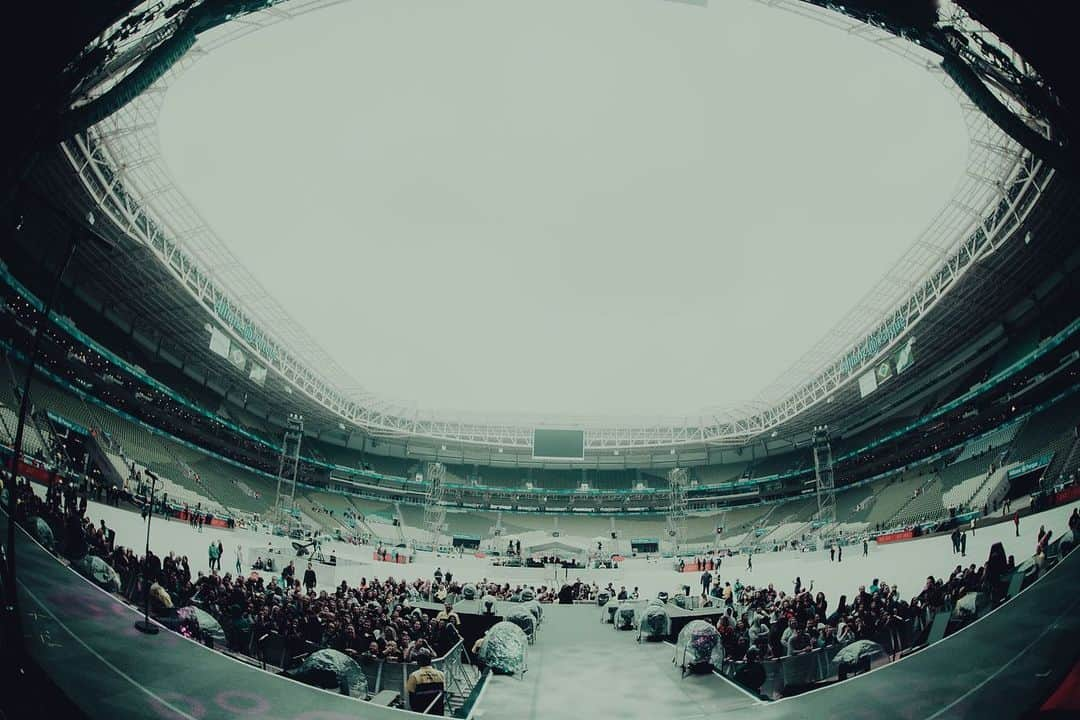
[994, 440]
[926, 505]
[1040, 430]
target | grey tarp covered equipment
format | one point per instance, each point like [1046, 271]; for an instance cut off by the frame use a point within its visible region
[504, 648]
[698, 645]
[655, 623]
[42, 532]
[857, 651]
[522, 618]
[96, 569]
[207, 623]
[535, 608]
[626, 617]
[331, 670]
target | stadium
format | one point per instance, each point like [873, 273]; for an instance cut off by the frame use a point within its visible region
[580, 471]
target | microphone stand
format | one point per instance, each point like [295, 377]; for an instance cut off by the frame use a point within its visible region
[144, 625]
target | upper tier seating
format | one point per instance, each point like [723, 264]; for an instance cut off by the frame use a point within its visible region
[996, 439]
[1040, 430]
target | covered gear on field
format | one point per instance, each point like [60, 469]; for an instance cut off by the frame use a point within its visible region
[655, 623]
[503, 648]
[331, 670]
[698, 647]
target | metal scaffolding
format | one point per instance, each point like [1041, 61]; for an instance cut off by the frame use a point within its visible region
[823, 474]
[283, 514]
[678, 479]
[434, 510]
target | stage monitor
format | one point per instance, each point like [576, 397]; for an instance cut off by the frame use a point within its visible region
[551, 444]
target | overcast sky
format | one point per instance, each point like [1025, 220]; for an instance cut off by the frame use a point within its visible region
[563, 206]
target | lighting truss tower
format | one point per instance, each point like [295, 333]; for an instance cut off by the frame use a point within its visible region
[678, 479]
[434, 510]
[288, 469]
[823, 474]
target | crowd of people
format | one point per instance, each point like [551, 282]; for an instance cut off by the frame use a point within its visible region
[376, 618]
[766, 623]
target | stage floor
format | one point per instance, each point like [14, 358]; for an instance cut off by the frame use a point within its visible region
[583, 668]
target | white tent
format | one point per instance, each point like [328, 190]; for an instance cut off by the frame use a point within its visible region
[560, 546]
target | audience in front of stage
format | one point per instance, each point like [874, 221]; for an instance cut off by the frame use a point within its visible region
[375, 618]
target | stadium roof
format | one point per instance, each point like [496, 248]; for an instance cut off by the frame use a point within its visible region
[120, 168]
[640, 226]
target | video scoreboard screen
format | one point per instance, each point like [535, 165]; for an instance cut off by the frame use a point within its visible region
[551, 444]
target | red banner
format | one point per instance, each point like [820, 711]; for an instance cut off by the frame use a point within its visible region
[1067, 495]
[894, 537]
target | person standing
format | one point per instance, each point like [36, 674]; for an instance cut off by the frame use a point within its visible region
[963, 544]
[1016, 522]
[866, 547]
[309, 578]
[750, 562]
[706, 581]
[211, 554]
[239, 561]
[832, 553]
[839, 553]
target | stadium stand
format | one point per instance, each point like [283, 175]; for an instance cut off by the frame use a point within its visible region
[779, 464]
[996, 439]
[1042, 429]
[715, 474]
[961, 470]
[892, 497]
[925, 505]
